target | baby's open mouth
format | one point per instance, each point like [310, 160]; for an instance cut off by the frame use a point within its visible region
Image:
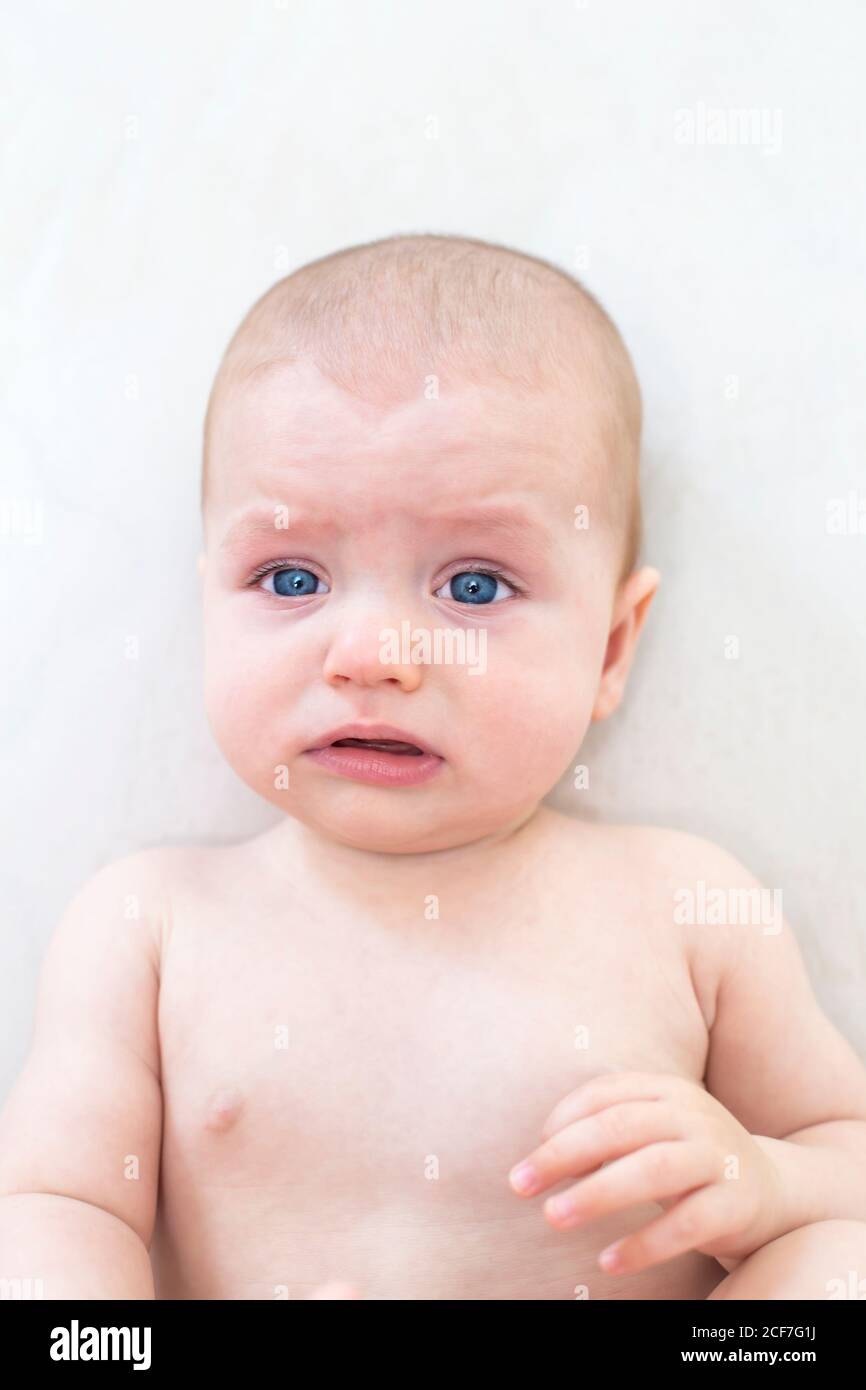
[383, 745]
[377, 757]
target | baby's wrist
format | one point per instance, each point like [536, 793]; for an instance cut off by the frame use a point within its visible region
[790, 1200]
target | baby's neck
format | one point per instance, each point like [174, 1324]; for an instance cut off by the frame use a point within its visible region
[335, 866]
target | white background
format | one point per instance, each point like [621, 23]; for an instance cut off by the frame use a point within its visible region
[164, 164]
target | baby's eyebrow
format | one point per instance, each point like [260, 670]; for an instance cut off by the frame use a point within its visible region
[266, 525]
[515, 524]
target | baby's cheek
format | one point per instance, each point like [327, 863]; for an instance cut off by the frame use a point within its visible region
[240, 691]
[231, 719]
[531, 722]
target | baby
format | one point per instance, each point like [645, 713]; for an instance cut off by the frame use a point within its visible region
[427, 1038]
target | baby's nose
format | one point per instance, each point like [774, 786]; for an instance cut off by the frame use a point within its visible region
[368, 651]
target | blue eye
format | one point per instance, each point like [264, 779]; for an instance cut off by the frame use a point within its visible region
[474, 586]
[468, 586]
[294, 583]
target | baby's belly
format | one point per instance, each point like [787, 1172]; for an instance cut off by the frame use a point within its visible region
[254, 1243]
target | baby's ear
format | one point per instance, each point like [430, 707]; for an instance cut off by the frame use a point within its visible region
[200, 563]
[629, 615]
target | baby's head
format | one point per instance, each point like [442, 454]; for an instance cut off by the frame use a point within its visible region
[421, 510]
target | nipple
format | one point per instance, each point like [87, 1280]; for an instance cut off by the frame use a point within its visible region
[223, 1108]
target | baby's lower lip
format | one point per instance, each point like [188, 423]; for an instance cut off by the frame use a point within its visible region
[376, 765]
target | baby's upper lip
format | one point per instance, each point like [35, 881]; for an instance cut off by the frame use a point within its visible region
[372, 731]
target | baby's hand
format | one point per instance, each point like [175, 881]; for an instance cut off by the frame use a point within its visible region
[663, 1137]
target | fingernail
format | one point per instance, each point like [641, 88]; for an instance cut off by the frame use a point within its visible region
[609, 1258]
[523, 1178]
[560, 1207]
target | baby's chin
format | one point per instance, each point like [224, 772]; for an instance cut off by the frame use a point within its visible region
[401, 821]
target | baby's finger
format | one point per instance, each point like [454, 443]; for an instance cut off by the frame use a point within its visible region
[611, 1088]
[335, 1289]
[699, 1218]
[660, 1170]
[584, 1146]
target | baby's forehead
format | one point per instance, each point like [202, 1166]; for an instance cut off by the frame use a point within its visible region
[289, 417]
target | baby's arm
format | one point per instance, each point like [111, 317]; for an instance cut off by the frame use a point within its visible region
[779, 1065]
[80, 1132]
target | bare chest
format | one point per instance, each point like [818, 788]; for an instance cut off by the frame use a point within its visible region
[364, 1093]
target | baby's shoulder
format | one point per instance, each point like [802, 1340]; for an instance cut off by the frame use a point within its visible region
[660, 852]
[146, 885]
[672, 879]
[703, 894]
[654, 853]
[155, 870]
[672, 854]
